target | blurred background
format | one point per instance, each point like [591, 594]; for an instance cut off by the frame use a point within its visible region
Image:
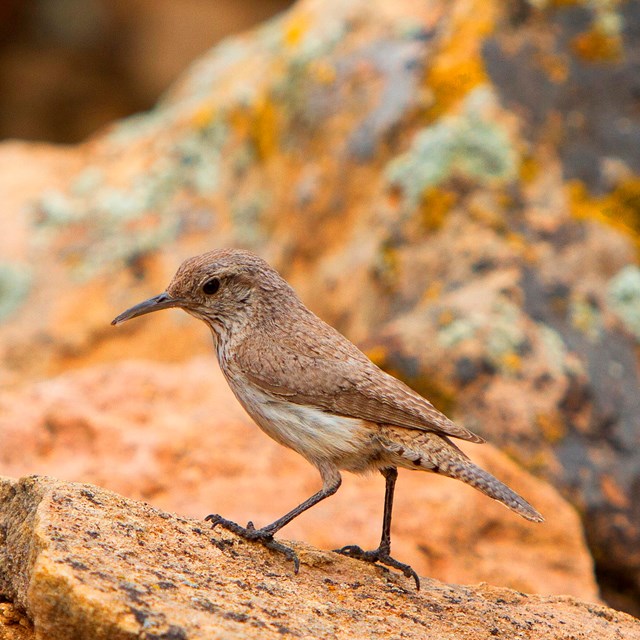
[68, 67]
[453, 184]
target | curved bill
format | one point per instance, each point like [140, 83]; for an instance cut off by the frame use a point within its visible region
[163, 301]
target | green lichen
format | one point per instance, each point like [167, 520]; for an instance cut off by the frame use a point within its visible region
[200, 157]
[498, 330]
[468, 144]
[586, 317]
[505, 337]
[623, 298]
[554, 347]
[133, 128]
[246, 215]
[457, 331]
[117, 224]
[56, 208]
[15, 282]
[87, 181]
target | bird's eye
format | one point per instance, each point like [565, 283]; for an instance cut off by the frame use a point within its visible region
[211, 286]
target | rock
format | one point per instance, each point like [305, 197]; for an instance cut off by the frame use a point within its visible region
[14, 625]
[87, 563]
[385, 157]
[175, 435]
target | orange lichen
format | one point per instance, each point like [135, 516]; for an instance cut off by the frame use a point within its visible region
[552, 427]
[556, 66]
[598, 46]
[433, 291]
[322, 71]
[451, 80]
[434, 207]
[510, 362]
[565, 3]
[378, 354]
[265, 127]
[259, 124]
[458, 65]
[620, 208]
[521, 246]
[446, 318]
[627, 196]
[295, 29]
[204, 116]
[240, 121]
[529, 169]
[433, 386]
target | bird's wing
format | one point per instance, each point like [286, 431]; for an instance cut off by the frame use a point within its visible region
[346, 383]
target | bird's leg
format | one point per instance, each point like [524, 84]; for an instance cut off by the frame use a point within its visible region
[331, 481]
[383, 553]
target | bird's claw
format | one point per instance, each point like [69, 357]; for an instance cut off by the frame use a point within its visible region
[379, 556]
[214, 519]
[263, 536]
[248, 533]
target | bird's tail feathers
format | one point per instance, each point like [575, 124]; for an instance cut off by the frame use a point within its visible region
[489, 485]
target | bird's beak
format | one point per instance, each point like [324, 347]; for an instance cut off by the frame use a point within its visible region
[163, 301]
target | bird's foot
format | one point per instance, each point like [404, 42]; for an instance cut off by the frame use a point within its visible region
[379, 555]
[263, 536]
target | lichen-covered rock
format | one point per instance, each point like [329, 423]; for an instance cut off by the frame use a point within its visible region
[82, 562]
[453, 184]
[176, 436]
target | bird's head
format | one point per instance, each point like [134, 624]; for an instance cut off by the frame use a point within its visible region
[222, 288]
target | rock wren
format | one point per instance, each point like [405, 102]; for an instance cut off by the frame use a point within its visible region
[312, 390]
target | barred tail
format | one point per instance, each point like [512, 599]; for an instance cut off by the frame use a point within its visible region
[490, 486]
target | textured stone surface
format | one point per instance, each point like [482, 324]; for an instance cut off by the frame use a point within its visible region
[87, 563]
[479, 240]
[175, 435]
[14, 624]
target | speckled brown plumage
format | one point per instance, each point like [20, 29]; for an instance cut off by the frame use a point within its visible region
[312, 390]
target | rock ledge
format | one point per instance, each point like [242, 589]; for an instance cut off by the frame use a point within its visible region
[82, 562]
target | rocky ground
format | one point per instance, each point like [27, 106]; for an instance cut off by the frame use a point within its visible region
[454, 185]
[170, 577]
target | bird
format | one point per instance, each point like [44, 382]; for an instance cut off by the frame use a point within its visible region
[312, 390]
